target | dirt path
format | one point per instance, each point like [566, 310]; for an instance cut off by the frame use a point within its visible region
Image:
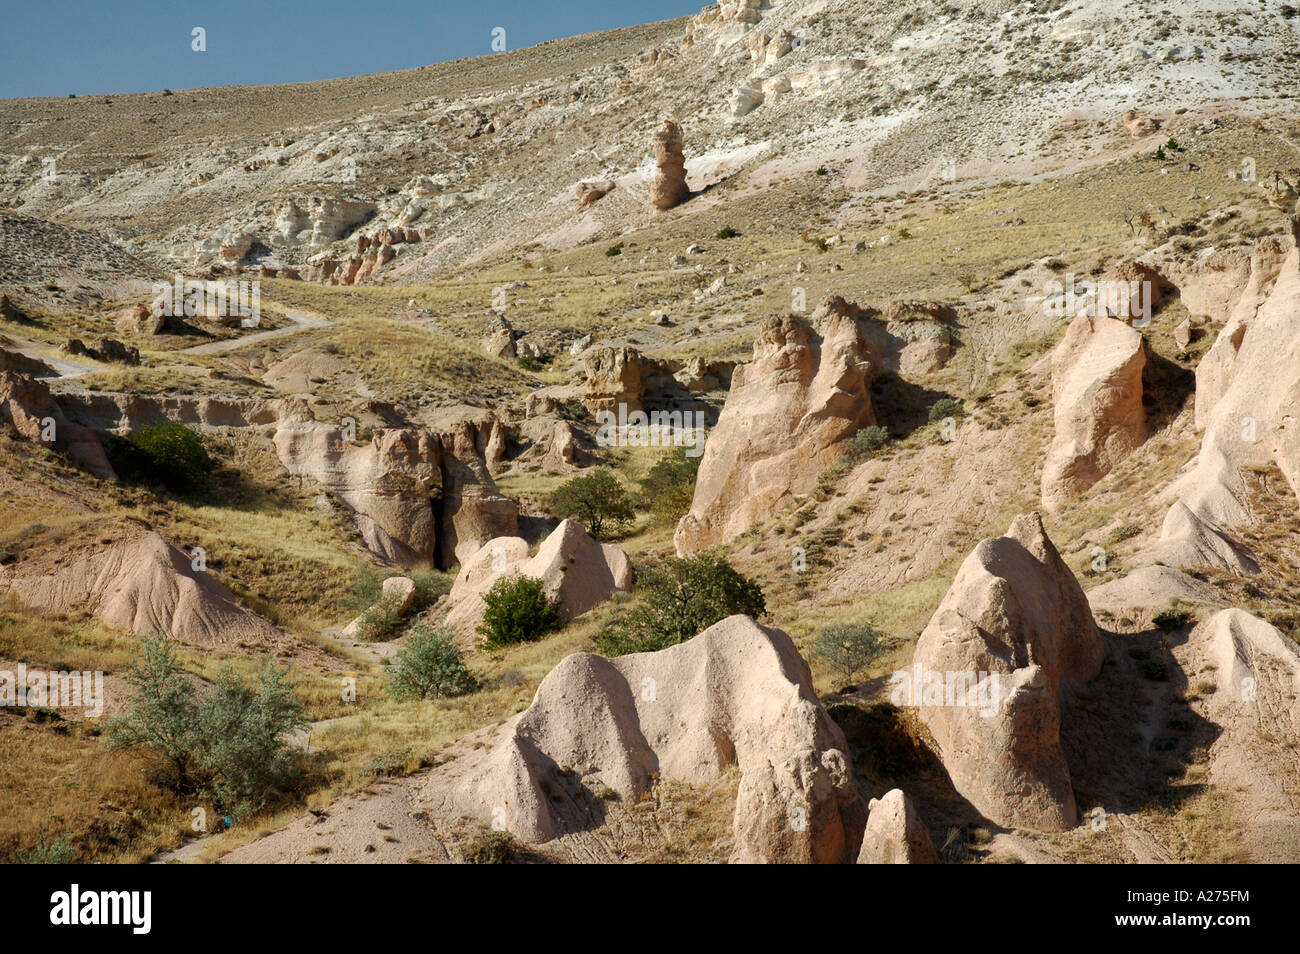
[301, 322]
[64, 367]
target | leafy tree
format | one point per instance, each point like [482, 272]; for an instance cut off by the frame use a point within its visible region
[678, 599]
[163, 715]
[598, 499]
[229, 746]
[241, 733]
[431, 664]
[518, 611]
[173, 453]
[849, 648]
[670, 486]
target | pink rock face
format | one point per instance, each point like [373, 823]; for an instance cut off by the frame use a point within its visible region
[788, 418]
[146, 586]
[1247, 396]
[669, 188]
[29, 407]
[1014, 612]
[1097, 386]
[576, 570]
[895, 834]
[418, 496]
[616, 376]
[737, 695]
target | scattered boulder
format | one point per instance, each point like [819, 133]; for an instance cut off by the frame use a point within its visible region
[589, 193]
[143, 586]
[138, 320]
[397, 592]
[895, 834]
[669, 188]
[1016, 617]
[108, 350]
[787, 419]
[577, 571]
[737, 695]
[501, 344]
[1138, 125]
[1097, 384]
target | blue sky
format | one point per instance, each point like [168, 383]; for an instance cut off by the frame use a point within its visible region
[57, 47]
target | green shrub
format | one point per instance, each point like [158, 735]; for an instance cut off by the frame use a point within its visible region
[869, 440]
[529, 363]
[945, 407]
[173, 453]
[493, 848]
[669, 487]
[727, 232]
[379, 623]
[431, 664]
[679, 598]
[614, 250]
[230, 746]
[518, 611]
[598, 499]
[241, 730]
[57, 852]
[849, 648]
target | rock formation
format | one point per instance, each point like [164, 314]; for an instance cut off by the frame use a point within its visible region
[737, 694]
[589, 193]
[576, 570]
[390, 484]
[1247, 396]
[1256, 672]
[1097, 386]
[669, 188]
[1016, 613]
[396, 594]
[895, 834]
[28, 406]
[144, 586]
[787, 419]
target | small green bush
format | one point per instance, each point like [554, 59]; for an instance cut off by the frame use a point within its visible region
[174, 453]
[614, 250]
[869, 440]
[677, 599]
[56, 852]
[849, 648]
[727, 232]
[379, 623]
[431, 664]
[518, 611]
[945, 407]
[493, 848]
